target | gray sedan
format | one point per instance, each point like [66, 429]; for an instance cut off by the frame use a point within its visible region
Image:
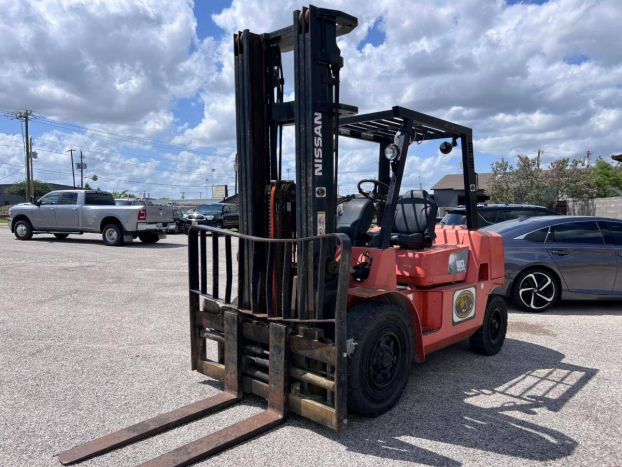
[560, 257]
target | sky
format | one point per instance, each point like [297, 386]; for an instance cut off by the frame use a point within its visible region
[145, 89]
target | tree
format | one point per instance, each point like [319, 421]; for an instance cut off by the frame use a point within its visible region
[522, 184]
[607, 179]
[122, 194]
[19, 188]
[567, 179]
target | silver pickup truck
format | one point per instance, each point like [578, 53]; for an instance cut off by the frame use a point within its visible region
[80, 211]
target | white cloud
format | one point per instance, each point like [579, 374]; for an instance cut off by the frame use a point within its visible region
[522, 76]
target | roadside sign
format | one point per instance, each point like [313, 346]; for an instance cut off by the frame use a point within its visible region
[220, 191]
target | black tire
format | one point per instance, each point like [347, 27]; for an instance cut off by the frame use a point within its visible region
[23, 229]
[112, 234]
[149, 237]
[380, 347]
[61, 236]
[536, 290]
[490, 337]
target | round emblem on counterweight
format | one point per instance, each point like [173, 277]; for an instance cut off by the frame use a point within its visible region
[464, 304]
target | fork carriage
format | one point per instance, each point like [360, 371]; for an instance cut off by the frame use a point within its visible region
[315, 350]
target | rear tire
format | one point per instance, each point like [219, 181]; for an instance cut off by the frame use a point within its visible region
[149, 237]
[61, 236]
[545, 285]
[112, 235]
[23, 229]
[380, 346]
[490, 337]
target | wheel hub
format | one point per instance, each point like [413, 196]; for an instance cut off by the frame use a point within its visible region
[21, 230]
[111, 235]
[384, 360]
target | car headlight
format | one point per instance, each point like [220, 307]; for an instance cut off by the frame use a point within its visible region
[209, 218]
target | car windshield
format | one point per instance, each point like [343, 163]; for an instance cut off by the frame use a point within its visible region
[209, 209]
[454, 218]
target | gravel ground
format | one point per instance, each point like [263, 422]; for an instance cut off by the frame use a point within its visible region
[94, 338]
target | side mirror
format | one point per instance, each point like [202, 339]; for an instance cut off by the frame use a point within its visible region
[34, 201]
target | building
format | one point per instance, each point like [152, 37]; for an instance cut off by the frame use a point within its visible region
[9, 200]
[449, 190]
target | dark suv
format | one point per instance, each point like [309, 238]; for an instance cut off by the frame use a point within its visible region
[219, 215]
[494, 213]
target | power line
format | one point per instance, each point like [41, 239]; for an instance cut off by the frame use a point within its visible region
[18, 170]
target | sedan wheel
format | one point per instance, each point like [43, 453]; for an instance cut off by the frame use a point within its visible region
[536, 290]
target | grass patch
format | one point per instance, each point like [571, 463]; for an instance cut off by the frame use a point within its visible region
[4, 222]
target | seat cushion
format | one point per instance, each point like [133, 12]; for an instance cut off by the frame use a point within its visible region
[355, 220]
[415, 240]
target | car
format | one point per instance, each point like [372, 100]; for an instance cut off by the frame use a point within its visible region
[560, 257]
[179, 217]
[221, 215]
[67, 212]
[490, 214]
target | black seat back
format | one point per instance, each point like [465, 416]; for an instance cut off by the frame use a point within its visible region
[356, 220]
[415, 220]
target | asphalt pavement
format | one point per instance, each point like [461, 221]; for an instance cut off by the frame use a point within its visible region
[95, 338]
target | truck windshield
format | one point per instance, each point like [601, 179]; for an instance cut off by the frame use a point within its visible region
[99, 199]
[209, 209]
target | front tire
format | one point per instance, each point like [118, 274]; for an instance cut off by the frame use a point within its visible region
[535, 290]
[149, 237]
[490, 337]
[23, 230]
[112, 235]
[380, 346]
[61, 236]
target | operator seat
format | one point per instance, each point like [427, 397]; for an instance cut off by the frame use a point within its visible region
[415, 220]
[356, 220]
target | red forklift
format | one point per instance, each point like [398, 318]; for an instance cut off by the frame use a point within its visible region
[318, 313]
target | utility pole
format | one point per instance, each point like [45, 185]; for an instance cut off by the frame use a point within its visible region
[213, 179]
[183, 195]
[73, 172]
[200, 194]
[539, 157]
[288, 172]
[25, 115]
[420, 185]
[32, 169]
[81, 170]
[587, 159]
[206, 191]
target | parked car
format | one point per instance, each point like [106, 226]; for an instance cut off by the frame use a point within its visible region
[490, 214]
[220, 215]
[179, 217]
[560, 257]
[67, 212]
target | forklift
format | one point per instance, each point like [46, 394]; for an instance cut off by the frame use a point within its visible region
[323, 314]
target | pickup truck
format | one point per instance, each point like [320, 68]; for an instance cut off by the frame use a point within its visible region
[87, 211]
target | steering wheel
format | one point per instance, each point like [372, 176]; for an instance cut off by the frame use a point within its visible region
[373, 195]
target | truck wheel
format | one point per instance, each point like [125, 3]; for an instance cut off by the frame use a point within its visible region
[113, 235]
[380, 346]
[149, 237]
[489, 338]
[61, 236]
[23, 230]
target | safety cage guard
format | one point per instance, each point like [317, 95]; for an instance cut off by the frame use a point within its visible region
[316, 358]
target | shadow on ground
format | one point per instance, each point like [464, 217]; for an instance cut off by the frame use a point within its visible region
[95, 241]
[484, 403]
[463, 399]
